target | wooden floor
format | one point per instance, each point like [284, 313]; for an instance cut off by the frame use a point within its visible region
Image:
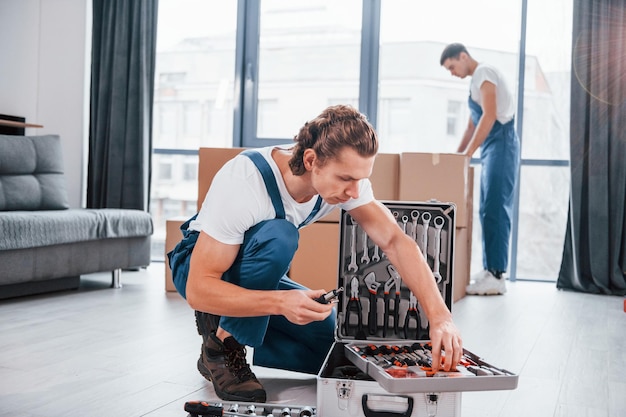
[132, 352]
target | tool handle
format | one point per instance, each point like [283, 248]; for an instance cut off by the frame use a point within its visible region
[204, 409]
[329, 296]
[373, 315]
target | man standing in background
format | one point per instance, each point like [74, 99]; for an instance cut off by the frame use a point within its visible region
[491, 128]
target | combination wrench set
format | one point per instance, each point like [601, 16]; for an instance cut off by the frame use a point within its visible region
[376, 304]
[233, 409]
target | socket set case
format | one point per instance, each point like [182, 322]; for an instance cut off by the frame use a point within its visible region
[379, 361]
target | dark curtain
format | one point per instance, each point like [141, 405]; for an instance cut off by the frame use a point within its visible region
[122, 85]
[595, 243]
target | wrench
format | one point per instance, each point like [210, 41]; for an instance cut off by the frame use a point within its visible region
[414, 216]
[375, 256]
[439, 222]
[405, 219]
[365, 259]
[425, 221]
[353, 267]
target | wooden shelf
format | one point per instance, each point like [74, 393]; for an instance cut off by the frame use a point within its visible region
[18, 124]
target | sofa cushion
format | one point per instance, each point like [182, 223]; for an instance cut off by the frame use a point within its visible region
[29, 229]
[31, 173]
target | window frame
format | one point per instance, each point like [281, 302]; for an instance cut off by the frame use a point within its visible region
[246, 106]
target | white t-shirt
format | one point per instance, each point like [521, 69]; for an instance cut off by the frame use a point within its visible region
[238, 200]
[505, 107]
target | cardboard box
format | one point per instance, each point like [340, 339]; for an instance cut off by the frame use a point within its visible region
[173, 235]
[385, 177]
[443, 177]
[315, 263]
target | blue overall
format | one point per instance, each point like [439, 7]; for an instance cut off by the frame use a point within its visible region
[261, 264]
[500, 158]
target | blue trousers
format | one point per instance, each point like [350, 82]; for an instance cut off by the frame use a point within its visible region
[500, 166]
[261, 264]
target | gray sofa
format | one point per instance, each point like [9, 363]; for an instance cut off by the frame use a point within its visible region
[45, 245]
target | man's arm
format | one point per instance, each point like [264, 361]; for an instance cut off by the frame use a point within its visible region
[207, 292]
[405, 255]
[467, 135]
[488, 96]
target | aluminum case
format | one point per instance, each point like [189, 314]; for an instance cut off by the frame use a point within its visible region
[376, 310]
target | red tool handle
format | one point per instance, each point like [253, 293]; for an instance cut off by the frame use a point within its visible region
[204, 409]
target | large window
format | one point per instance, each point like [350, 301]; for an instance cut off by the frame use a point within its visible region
[454, 121]
[250, 73]
[193, 101]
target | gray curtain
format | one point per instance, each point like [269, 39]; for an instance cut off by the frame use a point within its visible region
[594, 255]
[122, 85]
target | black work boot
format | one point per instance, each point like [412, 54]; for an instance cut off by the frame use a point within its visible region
[206, 324]
[224, 363]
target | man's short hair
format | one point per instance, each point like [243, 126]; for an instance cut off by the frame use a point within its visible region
[452, 51]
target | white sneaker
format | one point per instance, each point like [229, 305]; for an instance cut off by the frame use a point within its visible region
[479, 276]
[489, 285]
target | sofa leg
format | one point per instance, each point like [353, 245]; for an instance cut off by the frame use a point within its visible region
[115, 278]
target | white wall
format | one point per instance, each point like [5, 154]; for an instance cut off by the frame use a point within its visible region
[44, 75]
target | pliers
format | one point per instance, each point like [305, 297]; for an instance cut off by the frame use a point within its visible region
[412, 313]
[394, 281]
[354, 304]
[372, 288]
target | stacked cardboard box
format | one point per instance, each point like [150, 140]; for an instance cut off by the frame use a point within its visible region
[405, 177]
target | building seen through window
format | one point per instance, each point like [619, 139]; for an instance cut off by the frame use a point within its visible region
[309, 63]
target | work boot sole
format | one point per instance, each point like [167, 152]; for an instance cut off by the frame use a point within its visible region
[259, 397]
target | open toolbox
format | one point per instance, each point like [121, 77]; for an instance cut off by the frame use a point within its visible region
[382, 334]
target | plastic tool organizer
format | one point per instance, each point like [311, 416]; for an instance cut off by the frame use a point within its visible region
[382, 326]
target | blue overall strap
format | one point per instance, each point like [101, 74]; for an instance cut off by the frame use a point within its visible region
[272, 188]
[269, 179]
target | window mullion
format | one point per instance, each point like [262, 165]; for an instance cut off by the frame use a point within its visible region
[370, 45]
